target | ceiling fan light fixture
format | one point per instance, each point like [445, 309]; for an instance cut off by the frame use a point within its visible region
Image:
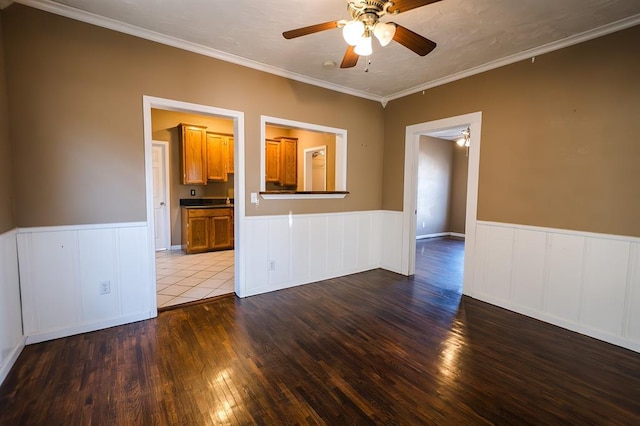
[364, 48]
[352, 32]
[384, 32]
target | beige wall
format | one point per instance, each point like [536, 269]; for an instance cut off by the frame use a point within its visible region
[164, 125]
[458, 213]
[435, 170]
[559, 137]
[7, 221]
[75, 98]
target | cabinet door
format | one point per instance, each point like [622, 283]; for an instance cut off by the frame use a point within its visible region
[217, 157]
[221, 230]
[288, 162]
[230, 155]
[198, 234]
[194, 154]
[272, 163]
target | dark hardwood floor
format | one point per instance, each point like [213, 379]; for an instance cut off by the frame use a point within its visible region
[369, 348]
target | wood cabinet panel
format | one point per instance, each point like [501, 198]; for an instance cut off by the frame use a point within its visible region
[272, 160]
[231, 155]
[194, 154]
[221, 231]
[288, 162]
[217, 157]
[198, 233]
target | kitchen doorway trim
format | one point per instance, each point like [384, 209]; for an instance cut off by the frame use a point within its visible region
[149, 102]
[412, 147]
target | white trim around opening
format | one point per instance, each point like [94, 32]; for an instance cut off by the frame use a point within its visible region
[150, 102]
[412, 142]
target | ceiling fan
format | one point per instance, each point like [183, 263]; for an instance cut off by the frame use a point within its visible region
[365, 22]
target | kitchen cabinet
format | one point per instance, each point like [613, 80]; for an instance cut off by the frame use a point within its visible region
[207, 229]
[217, 157]
[281, 161]
[288, 162]
[194, 154]
[230, 155]
[272, 160]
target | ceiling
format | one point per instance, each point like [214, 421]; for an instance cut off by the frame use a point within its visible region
[472, 36]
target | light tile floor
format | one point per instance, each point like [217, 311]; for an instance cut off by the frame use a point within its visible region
[182, 278]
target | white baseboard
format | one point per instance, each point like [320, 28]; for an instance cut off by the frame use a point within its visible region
[5, 368]
[562, 322]
[440, 234]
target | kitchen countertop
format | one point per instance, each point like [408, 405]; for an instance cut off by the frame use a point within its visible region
[206, 202]
[216, 206]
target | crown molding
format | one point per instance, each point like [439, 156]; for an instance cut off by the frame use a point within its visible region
[527, 54]
[101, 21]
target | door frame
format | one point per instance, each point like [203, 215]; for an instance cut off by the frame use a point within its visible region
[167, 192]
[411, 154]
[149, 102]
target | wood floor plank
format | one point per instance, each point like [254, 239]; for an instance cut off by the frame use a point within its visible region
[374, 347]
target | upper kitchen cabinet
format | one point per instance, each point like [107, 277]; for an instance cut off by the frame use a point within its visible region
[194, 154]
[230, 155]
[218, 156]
[288, 162]
[272, 161]
[281, 161]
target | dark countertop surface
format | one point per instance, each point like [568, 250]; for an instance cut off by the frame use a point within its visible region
[206, 202]
[216, 206]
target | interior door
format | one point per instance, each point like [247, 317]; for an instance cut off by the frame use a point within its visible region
[161, 195]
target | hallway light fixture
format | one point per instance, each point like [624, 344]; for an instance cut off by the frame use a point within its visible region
[465, 138]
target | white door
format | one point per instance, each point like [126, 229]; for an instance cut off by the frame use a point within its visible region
[160, 155]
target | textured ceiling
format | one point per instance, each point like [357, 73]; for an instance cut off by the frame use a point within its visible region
[469, 34]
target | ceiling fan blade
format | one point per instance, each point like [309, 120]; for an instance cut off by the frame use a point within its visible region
[299, 32]
[350, 58]
[404, 5]
[421, 45]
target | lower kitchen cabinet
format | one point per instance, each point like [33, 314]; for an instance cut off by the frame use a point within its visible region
[207, 229]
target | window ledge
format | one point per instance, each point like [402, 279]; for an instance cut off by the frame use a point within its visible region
[302, 195]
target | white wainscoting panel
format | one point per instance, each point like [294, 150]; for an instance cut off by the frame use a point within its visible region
[61, 271]
[528, 268]
[586, 282]
[605, 284]
[11, 337]
[564, 263]
[392, 241]
[633, 304]
[290, 250]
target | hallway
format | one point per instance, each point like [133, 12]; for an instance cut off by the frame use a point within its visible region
[440, 263]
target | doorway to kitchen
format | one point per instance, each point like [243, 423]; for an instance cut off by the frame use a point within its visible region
[181, 277]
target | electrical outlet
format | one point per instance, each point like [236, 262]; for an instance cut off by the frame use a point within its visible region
[193, 192]
[272, 265]
[105, 287]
